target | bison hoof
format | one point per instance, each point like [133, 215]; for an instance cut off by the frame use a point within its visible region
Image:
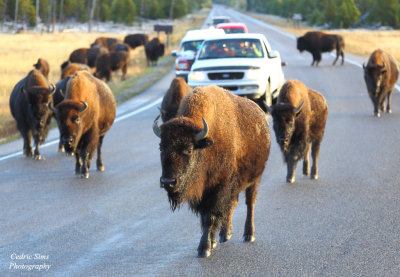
[214, 244]
[100, 168]
[85, 176]
[290, 180]
[224, 237]
[378, 114]
[61, 150]
[204, 253]
[314, 177]
[249, 238]
[38, 157]
[389, 111]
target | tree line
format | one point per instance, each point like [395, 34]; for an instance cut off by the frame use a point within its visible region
[332, 13]
[121, 11]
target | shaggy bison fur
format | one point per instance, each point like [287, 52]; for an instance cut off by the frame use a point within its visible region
[135, 40]
[71, 68]
[217, 146]
[299, 119]
[318, 42]
[113, 61]
[380, 75]
[43, 66]
[173, 97]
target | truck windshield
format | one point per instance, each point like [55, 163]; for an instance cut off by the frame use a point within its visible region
[231, 48]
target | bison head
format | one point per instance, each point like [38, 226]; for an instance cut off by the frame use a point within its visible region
[374, 76]
[69, 119]
[181, 144]
[284, 118]
[38, 99]
[301, 46]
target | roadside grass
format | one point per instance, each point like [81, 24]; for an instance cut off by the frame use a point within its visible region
[357, 41]
[20, 51]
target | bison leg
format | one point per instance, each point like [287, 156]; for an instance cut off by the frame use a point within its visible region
[85, 156]
[318, 55]
[251, 196]
[225, 232]
[306, 162]
[99, 162]
[389, 99]
[376, 108]
[26, 134]
[37, 155]
[315, 155]
[291, 168]
[337, 57]
[78, 164]
[207, 240]
[342, 54]
[124, 70]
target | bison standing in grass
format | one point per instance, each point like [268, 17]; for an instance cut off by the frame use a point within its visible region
[105, 42]
[28, 105]
[299, 119]
[43, 66]
[217, 146]
[83, 117]
[109, 62]
[380, 75]
[173, 97]
[318, 42]
[154, 49]
[135, 40]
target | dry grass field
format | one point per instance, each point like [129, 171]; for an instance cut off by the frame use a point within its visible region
[20, 51]
[358, 41]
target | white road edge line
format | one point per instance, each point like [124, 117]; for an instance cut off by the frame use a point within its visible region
[122, 117]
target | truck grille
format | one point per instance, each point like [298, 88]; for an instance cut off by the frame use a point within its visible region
[226, 76]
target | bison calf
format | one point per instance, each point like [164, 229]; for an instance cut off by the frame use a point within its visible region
[318, 42]
[83, 117]
[28, 105]
[216, 147]
[380, 75]
[173, 97]
[299, 119]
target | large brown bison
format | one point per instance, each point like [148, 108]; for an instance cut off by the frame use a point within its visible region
[71, 68]
[113, 61]
[380, 75]
[28, 105]
[299, 119]
[93, 53]
[86, 56]
[216, 147]
[154, 49]
[83, 117]
[43, 66]
[135, 40]
[173, 97]
[105, 42]
[318, 42]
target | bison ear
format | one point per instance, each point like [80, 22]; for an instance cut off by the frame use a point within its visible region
[203, 143]
[298, 109]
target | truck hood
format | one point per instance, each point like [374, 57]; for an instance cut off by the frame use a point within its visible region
[229, 63]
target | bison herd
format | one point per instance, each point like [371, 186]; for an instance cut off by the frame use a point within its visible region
[214, 144]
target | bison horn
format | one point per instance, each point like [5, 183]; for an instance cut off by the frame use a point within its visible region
[156, 129]
[266, 107]
[51, 108]
[298, 109]
[84, 107]
[200, 135]
[52, 89]
[62, 93]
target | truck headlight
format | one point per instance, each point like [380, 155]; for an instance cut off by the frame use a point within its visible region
[197, 76]
[254, 74]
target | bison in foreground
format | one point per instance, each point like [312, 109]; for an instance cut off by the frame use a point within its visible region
[154, 49]
[113, 61]
[216, 147]
[318, 42]
[43, 66]
[380, 75]
[299, 119]
[84, 117]
[173, 97]
[135, 40]
[28, 105]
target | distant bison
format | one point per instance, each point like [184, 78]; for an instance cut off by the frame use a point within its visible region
[71, 68]
[380, 75]
[113, 61]
[28, 105]
[216, 147]
[105, 42]
[318, 42]
[43, 66]
[86, 56]
[79, 56]
[299, 119]
[173, 97]
[154, 49]
[93, 53]
[135, 40]
[120, 47]
[84, 117]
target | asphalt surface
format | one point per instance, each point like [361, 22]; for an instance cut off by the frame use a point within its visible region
[118, 222]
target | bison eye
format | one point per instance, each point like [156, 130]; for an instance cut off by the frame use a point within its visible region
[188, 151]
[75, 119]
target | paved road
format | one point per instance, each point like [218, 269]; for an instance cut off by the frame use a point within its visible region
[118, 222]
